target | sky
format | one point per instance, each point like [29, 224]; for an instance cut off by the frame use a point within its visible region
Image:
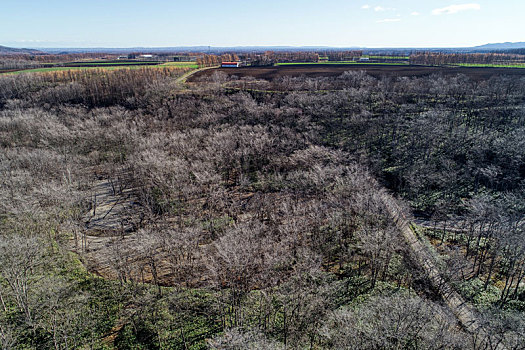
[220, 23]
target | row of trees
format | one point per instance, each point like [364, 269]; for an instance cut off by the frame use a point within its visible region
[215, 60]
[9, 63]
[271, 57]
[491, 233]
[438, 59]
[343, 55]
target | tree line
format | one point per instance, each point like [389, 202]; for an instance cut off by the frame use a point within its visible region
[438, 59]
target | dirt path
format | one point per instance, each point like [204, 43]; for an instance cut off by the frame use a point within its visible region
[182, 79]
[463, 311]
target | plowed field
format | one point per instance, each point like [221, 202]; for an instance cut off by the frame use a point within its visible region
[320, 70]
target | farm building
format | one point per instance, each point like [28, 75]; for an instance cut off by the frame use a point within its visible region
[230, 64]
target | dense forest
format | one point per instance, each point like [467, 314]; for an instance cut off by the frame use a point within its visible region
[138, 213]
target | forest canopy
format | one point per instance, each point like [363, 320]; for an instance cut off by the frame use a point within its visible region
[237, 213]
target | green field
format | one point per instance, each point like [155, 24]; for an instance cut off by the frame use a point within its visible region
[180, 64]
[388, 57]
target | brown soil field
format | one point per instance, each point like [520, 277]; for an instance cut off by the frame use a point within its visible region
[322, 70]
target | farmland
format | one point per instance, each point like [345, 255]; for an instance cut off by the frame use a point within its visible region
[493, 65]
[97, 64]
[192, 65]
[376, 70]
[340, 62]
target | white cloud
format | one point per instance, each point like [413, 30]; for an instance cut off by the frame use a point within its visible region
[388, 20]
[415, 13]
[365, 7]
[381, 9]
[453, 9]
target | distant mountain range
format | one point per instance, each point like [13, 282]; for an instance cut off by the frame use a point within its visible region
[502, 46]
[12, 51]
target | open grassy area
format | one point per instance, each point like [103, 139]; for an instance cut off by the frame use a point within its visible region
[388, 57]
[109, 65]
[105, 67]
[180, 64]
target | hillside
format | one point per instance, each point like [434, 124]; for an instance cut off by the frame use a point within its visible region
[4, 50]
[502, 46]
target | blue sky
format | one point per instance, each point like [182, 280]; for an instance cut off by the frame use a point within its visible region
[339, 23]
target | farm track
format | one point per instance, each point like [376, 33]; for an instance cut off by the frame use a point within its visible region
[183, 78]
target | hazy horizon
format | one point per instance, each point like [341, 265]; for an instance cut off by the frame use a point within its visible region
[240, 46]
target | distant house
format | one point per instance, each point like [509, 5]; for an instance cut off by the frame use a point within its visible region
[146, 56]
[364, 59]
[230, 64]
[122, 57]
